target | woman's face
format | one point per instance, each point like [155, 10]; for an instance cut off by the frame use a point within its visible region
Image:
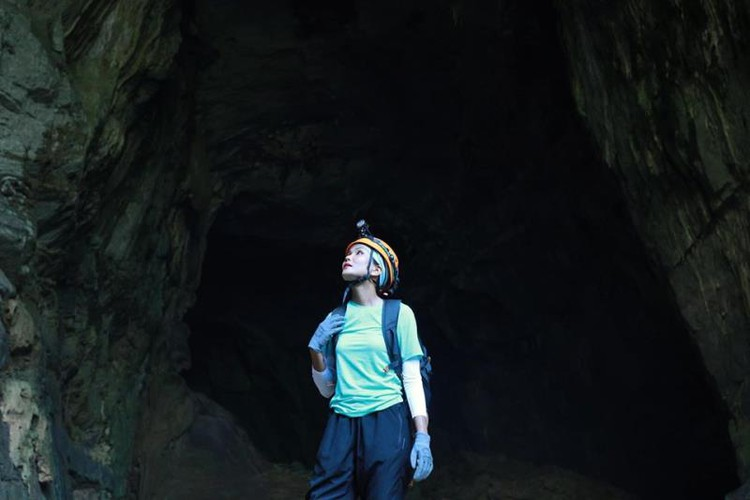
[355, 263]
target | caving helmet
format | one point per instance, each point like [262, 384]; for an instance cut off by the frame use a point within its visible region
[383, 254]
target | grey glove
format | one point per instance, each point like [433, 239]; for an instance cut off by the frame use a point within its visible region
[421, 456]
[332, 325]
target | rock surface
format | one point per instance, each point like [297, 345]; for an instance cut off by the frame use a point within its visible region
[664, 91]
[94, 233]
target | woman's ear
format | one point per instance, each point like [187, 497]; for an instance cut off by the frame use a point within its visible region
[375, 270]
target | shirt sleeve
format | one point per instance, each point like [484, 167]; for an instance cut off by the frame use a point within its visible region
[413, 388]
[325, 381]
[406, 332]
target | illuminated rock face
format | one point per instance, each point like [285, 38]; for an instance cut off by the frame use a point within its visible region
[563, 262]
[664, 91]
[95, 234]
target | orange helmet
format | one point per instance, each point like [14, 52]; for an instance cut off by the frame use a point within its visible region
[385, 251]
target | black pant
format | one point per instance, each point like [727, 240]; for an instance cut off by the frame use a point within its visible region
[364, 456]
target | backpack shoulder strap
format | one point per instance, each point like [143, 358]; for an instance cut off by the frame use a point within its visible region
[342, 310]
[391, 308]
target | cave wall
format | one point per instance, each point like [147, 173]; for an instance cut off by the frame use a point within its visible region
[663, 88]
[105, 202]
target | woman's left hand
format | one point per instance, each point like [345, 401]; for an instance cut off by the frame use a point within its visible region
[421, 456]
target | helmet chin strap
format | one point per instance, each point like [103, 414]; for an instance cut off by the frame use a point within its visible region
[362, 279]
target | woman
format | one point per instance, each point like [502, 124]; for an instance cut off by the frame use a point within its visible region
[367, 444]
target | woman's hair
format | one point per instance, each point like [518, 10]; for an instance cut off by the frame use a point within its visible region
[383, 278]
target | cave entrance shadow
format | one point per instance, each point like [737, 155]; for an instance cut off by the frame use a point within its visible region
[606, 382]
[552, 339]
[258, 303]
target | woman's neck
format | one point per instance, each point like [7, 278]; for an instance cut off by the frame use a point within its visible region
[364, 294]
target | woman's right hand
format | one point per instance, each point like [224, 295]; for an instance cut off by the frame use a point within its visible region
[332, 325]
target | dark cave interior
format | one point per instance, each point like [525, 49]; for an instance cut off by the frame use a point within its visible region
[554, 338]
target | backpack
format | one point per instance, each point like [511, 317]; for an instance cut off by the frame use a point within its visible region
[391, 308]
